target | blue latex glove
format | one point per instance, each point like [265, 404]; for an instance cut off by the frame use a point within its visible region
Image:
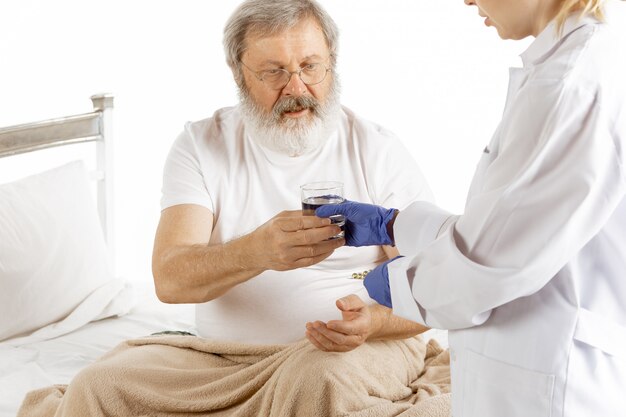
[377, 283]
[366, 224]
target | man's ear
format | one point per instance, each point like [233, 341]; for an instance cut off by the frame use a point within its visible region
[239, 78]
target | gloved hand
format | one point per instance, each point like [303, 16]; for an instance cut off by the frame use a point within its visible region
[366, 224]
[377, 283]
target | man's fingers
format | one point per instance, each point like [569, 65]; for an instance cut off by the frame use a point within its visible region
[345, 327]
[295, 223]
[320, 340]
[332, 340]
[316, 235]
[314, 341]
[350, 303]
[304, 262]
[323, 249]
[308, 243]
[290, 213]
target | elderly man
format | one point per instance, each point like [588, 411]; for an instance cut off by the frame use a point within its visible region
[257, 280]
[263, 278]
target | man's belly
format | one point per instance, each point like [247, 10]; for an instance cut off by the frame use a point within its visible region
[274, 307]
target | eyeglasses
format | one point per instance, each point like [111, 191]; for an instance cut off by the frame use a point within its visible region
[278, 78]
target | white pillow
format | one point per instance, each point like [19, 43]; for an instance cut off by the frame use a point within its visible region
[53, 257]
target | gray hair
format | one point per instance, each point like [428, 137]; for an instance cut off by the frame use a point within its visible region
[269, 17]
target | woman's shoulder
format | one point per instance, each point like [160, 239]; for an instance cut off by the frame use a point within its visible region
[587, 59]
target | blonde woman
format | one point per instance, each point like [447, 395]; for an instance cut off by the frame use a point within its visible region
[531, 279]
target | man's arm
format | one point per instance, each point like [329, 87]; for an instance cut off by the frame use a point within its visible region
[187, 269]
[359, 323]
[386, 326]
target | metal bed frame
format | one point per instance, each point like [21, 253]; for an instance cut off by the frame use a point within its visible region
[95, 126]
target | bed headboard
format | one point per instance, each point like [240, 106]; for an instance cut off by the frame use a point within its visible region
[95, 126]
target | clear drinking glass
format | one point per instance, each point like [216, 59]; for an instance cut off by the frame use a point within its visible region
[317, 194]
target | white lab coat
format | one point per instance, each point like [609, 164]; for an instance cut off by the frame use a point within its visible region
[531, 279]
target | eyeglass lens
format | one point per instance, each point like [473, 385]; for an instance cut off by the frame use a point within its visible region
[279, 78]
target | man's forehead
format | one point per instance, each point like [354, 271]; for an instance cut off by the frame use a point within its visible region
[304, 41]
[278, 62]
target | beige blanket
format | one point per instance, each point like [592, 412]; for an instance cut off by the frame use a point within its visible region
[185, 375]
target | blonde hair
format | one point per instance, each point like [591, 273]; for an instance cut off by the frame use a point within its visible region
[582, 7]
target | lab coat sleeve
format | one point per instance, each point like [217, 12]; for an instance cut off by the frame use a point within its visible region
[555, 181]
[425, 220]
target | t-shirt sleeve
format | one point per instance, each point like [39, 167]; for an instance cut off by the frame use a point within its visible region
[183, 180]
[399, 180]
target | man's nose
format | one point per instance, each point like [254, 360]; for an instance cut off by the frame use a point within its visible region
[295, 86]
[470, 2]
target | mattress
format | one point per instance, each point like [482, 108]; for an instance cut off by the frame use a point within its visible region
[43, 363]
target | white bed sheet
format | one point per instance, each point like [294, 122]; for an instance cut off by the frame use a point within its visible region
[56, 361]
[440, 336]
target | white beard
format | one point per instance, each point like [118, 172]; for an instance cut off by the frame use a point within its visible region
[293, 137]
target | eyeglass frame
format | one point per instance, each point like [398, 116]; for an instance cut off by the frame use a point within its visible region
[299, 72]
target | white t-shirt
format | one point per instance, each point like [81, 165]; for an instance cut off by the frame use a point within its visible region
[215, 164]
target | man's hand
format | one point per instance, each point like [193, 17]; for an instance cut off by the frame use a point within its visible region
[366, 224]
[290, 240]
[343, 335]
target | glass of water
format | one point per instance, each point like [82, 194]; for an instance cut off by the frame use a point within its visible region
[317, 194]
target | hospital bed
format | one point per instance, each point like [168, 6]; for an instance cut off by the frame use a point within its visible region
[61, 305]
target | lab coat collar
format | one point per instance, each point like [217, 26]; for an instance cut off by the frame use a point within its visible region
[548, 40]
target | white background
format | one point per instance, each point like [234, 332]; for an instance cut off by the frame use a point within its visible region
[427, 70]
